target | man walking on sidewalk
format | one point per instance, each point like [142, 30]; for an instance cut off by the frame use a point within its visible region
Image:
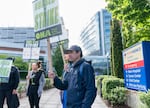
[79, 81]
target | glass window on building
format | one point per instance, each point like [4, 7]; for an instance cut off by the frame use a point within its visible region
[107, 23]
[107, 31]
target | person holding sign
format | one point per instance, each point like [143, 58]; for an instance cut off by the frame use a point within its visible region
[79, 81]
[67, 65]
[8, 89]
[36, 83]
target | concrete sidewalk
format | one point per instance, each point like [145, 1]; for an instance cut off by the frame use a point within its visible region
[51, 99]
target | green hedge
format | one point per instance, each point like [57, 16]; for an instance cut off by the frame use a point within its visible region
[113, 89]
[110, 83]
[145, 98]
[118, 96]
[99, 80]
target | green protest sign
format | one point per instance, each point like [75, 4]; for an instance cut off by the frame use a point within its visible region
[46, 19]
[5, 68]
[31, 44]
[52, 31]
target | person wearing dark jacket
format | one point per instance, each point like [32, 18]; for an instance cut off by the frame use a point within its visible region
[7, 90]
[36, 83]
[80, 86]
[63, 93]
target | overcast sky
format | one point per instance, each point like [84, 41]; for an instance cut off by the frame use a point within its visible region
[75, 13]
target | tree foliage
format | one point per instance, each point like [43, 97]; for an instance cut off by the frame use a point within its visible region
[18, 62]
[58, 61]
[116, 49]
[135, 18]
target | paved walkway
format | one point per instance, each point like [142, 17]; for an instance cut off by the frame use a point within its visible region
[51, 99]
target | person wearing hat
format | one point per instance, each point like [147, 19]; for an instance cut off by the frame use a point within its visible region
[8, 90]
[67, 65]
[79, 81]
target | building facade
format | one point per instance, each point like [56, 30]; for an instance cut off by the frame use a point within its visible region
[19, 35]
[95, 36]
[101, 64]
[12, 41]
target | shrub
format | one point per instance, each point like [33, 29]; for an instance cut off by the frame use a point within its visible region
[109, 84]
[145, 98]
[118, 96]
[21, 88]
[20, 63]
[99, 80]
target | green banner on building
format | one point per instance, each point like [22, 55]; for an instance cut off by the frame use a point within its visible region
[46, 19]
[5, 69]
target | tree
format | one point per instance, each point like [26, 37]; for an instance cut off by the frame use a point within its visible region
[18, 62]
[116, 49]
[58, 61]
[135, 18]
[2, 56]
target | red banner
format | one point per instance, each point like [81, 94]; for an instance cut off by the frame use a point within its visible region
[134, 65]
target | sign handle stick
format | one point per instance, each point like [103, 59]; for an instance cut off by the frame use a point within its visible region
[62, 50]
[62, 53]
[49, 56]
[29, 69]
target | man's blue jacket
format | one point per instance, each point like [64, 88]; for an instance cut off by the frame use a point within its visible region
[81, 90]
